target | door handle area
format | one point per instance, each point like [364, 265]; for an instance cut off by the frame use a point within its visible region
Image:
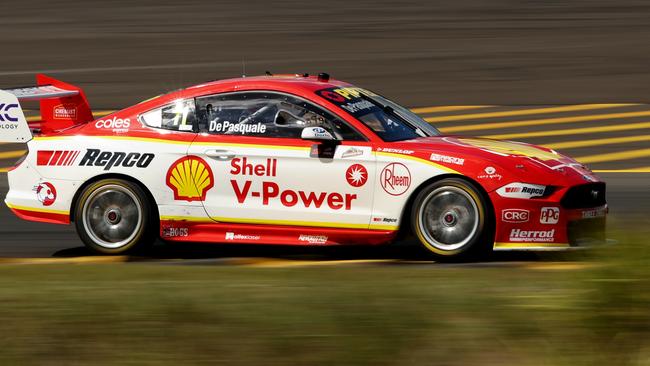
[220, 154]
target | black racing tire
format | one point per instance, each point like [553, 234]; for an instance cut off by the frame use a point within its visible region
[450, 218]
[115, 216]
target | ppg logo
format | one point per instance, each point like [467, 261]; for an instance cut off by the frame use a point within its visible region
[549, 215]
[5, 116]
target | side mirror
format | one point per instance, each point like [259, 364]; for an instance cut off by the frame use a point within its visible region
[316, 133]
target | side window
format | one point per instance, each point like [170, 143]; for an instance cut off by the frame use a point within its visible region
[179, 116]
[266, 114]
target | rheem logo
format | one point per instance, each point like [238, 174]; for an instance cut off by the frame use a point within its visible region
[515, 215]
[549, 215]
[395, 179]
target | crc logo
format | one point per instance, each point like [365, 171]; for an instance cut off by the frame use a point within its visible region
[515, 215]
[549, 215]
[395, 179]
[5, 116]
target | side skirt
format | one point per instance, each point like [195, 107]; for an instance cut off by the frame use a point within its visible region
[215, 232]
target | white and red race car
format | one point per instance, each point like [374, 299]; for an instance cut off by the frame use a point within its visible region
[290, 159]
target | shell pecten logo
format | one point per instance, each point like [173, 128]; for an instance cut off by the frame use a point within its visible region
[190, 178]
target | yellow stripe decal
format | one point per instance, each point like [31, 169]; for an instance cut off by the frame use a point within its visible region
[547, 121]
[4, 170]
[280, 222]
[36, 209]
[416, 159]
[521, 112]
[531, 245]
[163, 141]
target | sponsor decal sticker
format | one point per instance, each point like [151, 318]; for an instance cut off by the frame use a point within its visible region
[175, 232]
[549, 215]
[269, 191]
[190, 178]
[109, 159]
[356, 175]
[395, 151]
[388, 220]
[395, 179]
[234, 236]
[115, 124]
[446, 159]
[515, 215]
[594, 213]
[6, 117]
[313, 239]
[228, 127]
[521, 190]
[65, 111]
[353, 151]
[45, 193]
[519, 235]
[490, 173]
[56, 157]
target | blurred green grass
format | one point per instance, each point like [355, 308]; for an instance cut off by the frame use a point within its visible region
[593, 313]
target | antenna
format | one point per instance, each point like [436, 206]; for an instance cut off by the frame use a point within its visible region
[243, 68]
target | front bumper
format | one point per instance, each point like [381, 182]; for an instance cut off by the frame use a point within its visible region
[563, 221]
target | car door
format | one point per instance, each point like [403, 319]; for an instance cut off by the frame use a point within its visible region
[265, 173]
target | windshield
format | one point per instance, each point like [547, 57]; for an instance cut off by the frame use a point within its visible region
[389, 120]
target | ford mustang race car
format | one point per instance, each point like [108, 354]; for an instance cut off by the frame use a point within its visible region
[288, 159]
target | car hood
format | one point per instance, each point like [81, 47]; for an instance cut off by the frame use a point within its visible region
[523, 162]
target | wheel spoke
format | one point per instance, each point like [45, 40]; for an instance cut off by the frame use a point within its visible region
[112, 216]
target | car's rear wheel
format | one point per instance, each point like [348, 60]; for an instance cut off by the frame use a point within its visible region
[449, 218]
[114, 216]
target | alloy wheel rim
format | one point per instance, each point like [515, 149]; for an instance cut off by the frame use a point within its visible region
[112, 216]
[448, 218]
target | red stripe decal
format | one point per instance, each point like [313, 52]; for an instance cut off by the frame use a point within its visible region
[63, 158]
[43, 157]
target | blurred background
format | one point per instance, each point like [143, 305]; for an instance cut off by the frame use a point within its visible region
[571, 75]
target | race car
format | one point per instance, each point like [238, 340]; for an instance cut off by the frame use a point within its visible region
[287, 159]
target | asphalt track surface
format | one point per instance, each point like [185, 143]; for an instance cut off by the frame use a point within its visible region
[570, 75]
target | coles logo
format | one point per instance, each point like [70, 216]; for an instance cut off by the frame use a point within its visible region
[395, 179]
[356, 175]
[114, 123]
[190, 178]
[515, 215]
[549, 215]
[65, 111]
[45, 193]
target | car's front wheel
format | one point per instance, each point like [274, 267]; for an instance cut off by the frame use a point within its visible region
[113, 216]
[449, 218]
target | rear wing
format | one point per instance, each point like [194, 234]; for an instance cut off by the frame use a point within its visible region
[61, 106]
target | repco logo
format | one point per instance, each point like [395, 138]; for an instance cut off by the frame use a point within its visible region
[4, 112]
[395, 179]
[109, 159]
[515, 215]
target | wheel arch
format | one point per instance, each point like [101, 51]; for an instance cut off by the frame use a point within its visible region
[150, 197]
[405, 219]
